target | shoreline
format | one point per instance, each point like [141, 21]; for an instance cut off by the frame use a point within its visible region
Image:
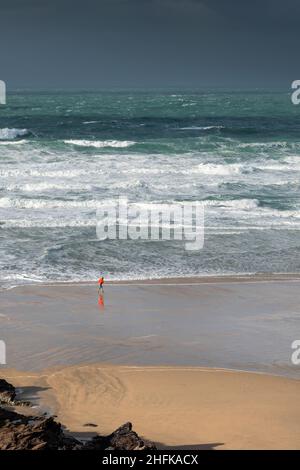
[174, 407]
[182, 280]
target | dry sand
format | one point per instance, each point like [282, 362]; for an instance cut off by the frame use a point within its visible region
[177, 407]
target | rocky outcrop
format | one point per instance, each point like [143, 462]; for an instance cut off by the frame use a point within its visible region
[124, 438]
[7, 392]
[20, 432]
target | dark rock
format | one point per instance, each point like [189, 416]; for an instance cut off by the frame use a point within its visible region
[124, 438]
[7, 392]
[20, 432]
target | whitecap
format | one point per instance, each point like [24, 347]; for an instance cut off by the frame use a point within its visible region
[222, 170]
[11, 134]
[50, 223]
[101, 143]
[238, 204]
[16, 142]
[263, 144]
[201, 128]
[40, 187]
[7, 202]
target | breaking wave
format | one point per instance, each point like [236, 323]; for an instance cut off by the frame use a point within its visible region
[101, 143]
[11, 134]
[207, 169]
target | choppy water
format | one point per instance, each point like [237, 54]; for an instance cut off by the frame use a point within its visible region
[61, 154]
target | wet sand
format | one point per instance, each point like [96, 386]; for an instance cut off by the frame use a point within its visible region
[244, 323]
[176, 407]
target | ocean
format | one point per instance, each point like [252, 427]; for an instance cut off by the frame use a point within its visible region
[62, 154]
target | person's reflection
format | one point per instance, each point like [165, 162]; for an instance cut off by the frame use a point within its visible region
[101, 301]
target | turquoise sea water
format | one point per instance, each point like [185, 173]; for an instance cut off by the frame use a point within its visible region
[62, 154]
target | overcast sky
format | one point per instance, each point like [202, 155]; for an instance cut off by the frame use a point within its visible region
[149, 43]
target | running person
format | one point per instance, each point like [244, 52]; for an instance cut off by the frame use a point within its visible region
[101, 282]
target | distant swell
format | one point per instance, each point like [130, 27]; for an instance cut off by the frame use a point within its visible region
[201, 128]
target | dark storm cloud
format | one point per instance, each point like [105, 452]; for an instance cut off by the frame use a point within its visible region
[149, 43]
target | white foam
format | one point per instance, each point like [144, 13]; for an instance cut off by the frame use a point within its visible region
[64, 173]
[101, 143]
[40, 187]
[16, 142]
[217, 170]
[150, 171]
[253, 210]
[128, 184]
[22, 277]
[6, 202]
[11, 134]
[238, 204]
[200, 128]
[278, 166]
[263, 144]
[50, 223]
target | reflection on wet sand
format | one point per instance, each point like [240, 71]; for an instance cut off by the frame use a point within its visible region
[101, 301]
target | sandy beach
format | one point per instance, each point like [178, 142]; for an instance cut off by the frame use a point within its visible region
[176, 407]
[202, 365]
